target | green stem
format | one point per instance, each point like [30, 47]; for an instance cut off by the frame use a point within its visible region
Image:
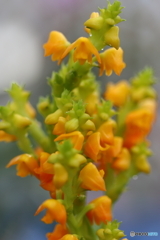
[37, 133]
[25, 144]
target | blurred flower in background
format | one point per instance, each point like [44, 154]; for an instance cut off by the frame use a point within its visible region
[24, 28]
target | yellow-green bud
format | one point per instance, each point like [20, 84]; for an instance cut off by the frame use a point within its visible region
[84, 118]
[4, 125]
[100, 234]
[88, 125]
[43, 105]
[112, 37]
[71, 125]
[104, 116]
[121, 234]
[95, 23]
[21, 122]
[110, 21]
[77, 160]
[107, 231]
[53, 117]
[60, 175]
[142, 164]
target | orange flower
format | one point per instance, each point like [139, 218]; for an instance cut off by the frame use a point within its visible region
[59, 128]
[69, 237]
[99, 141]
[26, 164]
[55, 211]
[138, 125]
[76, 138]
[101, 211]
[92, 146]
[58, 232]
[6, 136]
[44, 167]
[106, 133]
[91, 178]
[109, 154]
[46, 182]
[83, 51]
[122, 161]
[56, 45]
[112, 60]
[117, 93]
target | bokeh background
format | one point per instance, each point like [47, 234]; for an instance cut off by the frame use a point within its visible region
[24, 27]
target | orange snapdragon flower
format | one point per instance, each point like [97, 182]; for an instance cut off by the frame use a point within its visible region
[6, 137]
[59, 128]
[101, 211]
[138, 125]
[76, 138]
[91, 178]
[112, 60]
[110, 153]
[122, 161]
[58, 232]
[83, 51]
[55, 211]
[26, 165]
[117, 93]
[99, 141]
[56, 45]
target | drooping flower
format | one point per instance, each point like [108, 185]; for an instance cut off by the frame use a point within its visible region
[91, 178]
[56, 45]
[83, 51]
[58, 232]
[55, 211]
[76, 138]
[117, 93]
[26, 165]
[112, 60]
[101, 211]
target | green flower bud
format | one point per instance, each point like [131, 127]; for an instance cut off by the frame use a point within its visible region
[72, 125]
[21, 122]
[53, 117]
[88, 125]
[94, 23]
[112, 37]
[77, 160]
[4, 125]
[142, 164]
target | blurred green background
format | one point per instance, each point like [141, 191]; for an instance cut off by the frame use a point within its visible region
[24, 27]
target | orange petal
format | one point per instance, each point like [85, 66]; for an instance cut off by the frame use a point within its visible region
[55, 211]
[91, 178]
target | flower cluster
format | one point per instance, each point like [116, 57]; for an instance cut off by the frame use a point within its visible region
[90, 143]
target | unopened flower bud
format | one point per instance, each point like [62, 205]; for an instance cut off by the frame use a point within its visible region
[142, 164]
[71, 125]
[21, 122]
[112, 37]
[95, 23]
[4, 125]
[88, 125]
[53, 117]
[77, 160]
[61, 175]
